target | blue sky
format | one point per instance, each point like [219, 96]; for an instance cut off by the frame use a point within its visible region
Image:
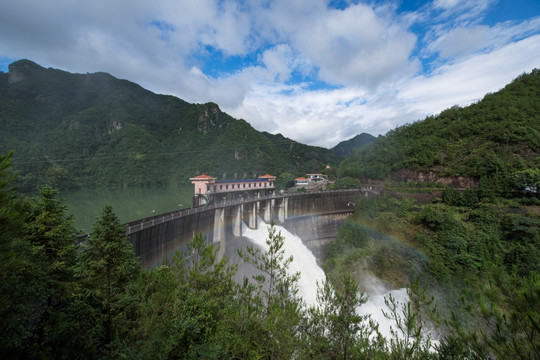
[317, 71]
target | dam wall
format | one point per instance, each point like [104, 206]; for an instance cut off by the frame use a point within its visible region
[316, 231]
[155, 243]
[314, 217]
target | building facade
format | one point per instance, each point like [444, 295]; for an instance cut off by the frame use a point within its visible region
[208, 189]
[205, 184]
[300, 181]
[310, 179]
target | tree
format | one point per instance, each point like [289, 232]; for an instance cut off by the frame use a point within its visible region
[51, 234]
[526, 180]
[106, 266]
[10, 220]
[346, 183]
[334, 328]
[23, 273]
[280, 309]
[50, 229]
[411, 338]
[284, 181]
[507, 317]
[182, 304]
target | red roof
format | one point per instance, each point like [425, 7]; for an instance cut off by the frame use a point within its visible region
[300, 179]
[202, 177]
[266, 176]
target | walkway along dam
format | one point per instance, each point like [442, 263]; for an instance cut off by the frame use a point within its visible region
[314, 217]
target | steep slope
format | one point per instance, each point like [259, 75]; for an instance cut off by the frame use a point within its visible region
[499, 135]
[88, 130]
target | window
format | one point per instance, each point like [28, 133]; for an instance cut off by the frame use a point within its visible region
[215, 188]
[207, 187]
[232, 186]
[220, 187]
[244, 186]
[249, 184]
[227, 187]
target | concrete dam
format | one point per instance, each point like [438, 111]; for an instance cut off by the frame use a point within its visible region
[314, 217]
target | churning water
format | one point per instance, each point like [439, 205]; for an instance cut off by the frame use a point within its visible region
[311, 274]
[303, 260]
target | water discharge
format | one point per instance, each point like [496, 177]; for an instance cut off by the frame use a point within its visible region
[377, 292]
[311, 274]
[303, 260]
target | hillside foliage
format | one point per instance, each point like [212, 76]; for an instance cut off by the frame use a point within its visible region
[93, 130]
[497, 138]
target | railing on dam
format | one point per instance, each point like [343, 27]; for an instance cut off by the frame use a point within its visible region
[141, 224]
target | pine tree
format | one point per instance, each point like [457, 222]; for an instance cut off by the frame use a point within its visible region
[23, 273]
[52, 230]
[106, 266]
[280, 310]
[334, 329]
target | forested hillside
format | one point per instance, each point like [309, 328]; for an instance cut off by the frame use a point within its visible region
[93, 130]
[498, 135]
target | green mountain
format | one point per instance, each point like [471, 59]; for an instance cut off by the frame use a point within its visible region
[346, 148]
[497, 137]
[93, 130]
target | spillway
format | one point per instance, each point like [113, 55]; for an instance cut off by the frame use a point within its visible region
[305, 263]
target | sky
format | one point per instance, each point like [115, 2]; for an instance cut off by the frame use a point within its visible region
[316, 71]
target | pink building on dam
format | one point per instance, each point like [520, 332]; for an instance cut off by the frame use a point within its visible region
[206, 187]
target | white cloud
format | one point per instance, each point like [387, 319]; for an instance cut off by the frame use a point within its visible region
[278, 60]
[463, 10]
[463, 82]
[355, 46]
[326, 117]
[462, 41]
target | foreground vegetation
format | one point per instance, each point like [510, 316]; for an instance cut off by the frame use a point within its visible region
[61, 300]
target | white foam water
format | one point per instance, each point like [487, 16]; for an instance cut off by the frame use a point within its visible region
[303, 260]
[311, 274]
[375, 304]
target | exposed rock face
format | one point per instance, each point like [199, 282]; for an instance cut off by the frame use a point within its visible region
[407, 175]
[238, 155]
[14, 76]
[208, 117]
[116, 125]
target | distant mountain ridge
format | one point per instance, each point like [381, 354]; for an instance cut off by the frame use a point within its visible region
[347, 147]
[92, 130]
